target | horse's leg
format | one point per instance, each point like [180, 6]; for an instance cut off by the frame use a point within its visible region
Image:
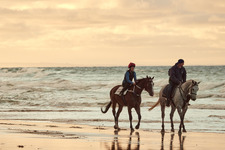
[114, 113]
[139, 116]
[163, 115]
[181, 119]
[171, 117]
[118, 114]
[130, 118]
[184, 112]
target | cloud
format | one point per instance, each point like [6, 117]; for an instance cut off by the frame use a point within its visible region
[93, 27]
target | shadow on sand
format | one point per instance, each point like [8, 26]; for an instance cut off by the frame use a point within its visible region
[134, 142]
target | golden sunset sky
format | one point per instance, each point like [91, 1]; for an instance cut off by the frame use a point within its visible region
[111, 32]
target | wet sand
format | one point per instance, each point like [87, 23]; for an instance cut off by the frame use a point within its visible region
[58, 136]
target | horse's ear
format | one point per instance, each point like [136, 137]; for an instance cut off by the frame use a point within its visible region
[153, 78]
[193, 82]
[147, 77]
[199, 82]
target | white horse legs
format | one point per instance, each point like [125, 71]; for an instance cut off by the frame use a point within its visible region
[171, 117]
[163, 115]
[182, 114]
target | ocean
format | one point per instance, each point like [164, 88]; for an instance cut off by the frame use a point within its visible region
[76, 94]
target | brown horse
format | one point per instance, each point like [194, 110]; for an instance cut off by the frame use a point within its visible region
[132, 100]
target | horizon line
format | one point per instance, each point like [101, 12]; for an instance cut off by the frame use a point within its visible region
[87, 66]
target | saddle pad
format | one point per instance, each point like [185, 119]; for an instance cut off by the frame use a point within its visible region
[118, 90]
[166, 91]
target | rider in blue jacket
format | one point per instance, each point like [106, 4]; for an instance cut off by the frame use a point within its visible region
[128, 77]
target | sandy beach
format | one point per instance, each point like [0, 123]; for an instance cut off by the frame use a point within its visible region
[17, 134]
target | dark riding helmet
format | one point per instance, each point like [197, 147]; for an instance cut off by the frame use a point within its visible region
[131, 65]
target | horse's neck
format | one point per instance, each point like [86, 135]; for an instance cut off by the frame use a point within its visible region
[186, 86]
[137, 89]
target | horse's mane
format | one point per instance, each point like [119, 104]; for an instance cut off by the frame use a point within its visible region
[139, 80]
[191, 81]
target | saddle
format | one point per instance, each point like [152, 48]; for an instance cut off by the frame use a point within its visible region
[125, 92]
[119, 90]
[166, 91]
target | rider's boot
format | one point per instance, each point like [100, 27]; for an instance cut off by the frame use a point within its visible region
[168, 102]
[168, 99]
[121, 92]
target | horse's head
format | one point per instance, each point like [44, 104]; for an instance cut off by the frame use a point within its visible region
[149, 84]
[193, 90]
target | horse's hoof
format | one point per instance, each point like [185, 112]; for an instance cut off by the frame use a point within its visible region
[172, 130]
[184, 130]
[162, 131]
[137, 127]
[115, 127]
[132, 129]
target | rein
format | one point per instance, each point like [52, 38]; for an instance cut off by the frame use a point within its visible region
[138, 87]
[185, 98]
[133, 91]
[134, 88]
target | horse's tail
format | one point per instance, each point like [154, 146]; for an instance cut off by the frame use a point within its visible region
[106, 108]
[157, 103]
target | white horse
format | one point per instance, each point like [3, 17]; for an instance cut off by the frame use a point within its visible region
[183, 93]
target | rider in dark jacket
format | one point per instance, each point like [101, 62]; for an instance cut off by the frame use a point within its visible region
[128, 77]
[178, 76]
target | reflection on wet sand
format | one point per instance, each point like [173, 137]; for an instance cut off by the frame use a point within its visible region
[132, 141]
[181, 141]
[116, 145]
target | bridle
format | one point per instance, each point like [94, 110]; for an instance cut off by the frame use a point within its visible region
[189, 93]
[133, 90]
[141, 88]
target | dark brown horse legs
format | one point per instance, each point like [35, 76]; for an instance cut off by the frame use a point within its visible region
[139, 117]
[171, 117]
[117, 116]
[163, 115]
[114, 113]
[130, 118]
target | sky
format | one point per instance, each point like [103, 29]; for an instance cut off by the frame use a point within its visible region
[111, 32]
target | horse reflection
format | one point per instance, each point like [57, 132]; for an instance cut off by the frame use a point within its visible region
[116, 145]
[181, 141]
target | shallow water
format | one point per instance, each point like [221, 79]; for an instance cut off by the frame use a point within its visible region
[76, 95]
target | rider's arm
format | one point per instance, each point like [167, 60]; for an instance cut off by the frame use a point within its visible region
[128, 79]
[184, 75]
[135, 77]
